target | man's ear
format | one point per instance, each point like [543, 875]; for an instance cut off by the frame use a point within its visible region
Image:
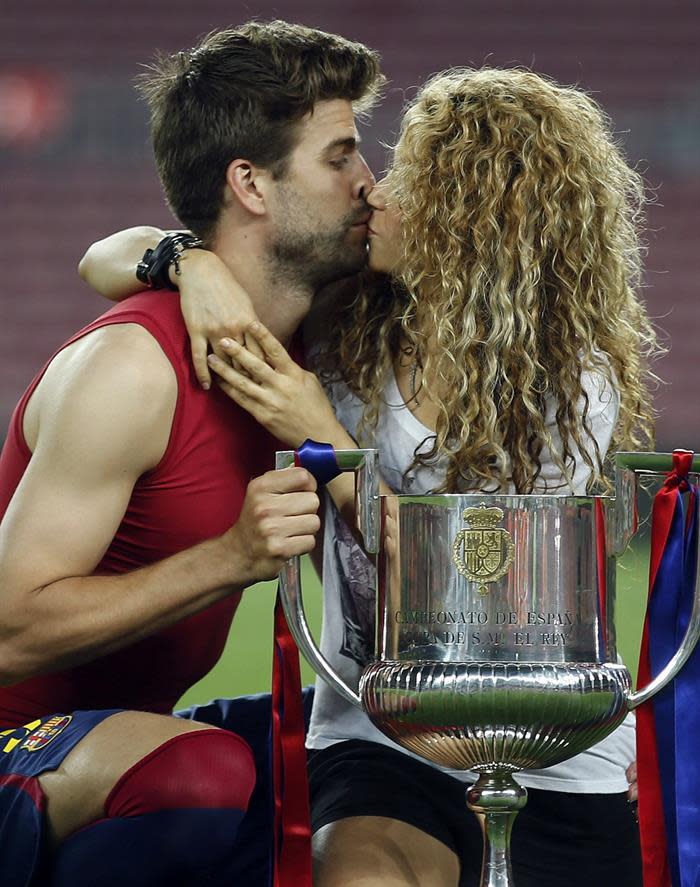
[247, 185]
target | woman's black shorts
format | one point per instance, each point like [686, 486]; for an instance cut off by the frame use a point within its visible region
[581, 840]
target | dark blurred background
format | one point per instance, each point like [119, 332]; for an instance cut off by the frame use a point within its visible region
[75, 162]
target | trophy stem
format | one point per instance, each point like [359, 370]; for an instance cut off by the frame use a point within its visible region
[498, 798]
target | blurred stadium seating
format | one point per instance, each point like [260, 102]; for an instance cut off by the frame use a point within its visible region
[75, 162]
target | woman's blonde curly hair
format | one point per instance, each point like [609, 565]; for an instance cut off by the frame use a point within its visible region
[521, 225]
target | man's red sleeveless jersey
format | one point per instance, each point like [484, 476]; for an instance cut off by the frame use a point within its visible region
[195, 493]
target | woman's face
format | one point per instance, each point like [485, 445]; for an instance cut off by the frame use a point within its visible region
[385, 241]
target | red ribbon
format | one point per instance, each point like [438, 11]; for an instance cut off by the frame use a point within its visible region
[292, 863]
[602, 565]
[652, 825]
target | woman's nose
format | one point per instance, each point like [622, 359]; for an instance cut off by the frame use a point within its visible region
[377, 196]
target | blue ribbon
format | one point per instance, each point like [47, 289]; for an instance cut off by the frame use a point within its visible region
[663, 613]
[319, 459]
[676, 710]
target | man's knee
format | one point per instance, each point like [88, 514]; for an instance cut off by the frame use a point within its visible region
[78, 790]
[172, 817]
[210, 769]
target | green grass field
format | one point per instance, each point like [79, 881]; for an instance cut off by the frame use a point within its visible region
[246, 665]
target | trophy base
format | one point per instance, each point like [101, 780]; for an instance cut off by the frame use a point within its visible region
[495, 717]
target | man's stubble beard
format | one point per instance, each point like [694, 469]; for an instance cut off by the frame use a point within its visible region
[304, 254]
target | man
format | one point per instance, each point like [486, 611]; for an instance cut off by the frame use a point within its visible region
[130, 527]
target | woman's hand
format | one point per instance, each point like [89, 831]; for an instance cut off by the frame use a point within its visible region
[276, 391]
[631, 774]
[214, 305]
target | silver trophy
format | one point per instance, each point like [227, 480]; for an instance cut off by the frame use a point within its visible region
[495, 646]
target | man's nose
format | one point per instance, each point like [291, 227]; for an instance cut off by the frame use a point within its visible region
[365, 181]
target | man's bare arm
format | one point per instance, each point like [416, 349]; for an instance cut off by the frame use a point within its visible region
[100, 418]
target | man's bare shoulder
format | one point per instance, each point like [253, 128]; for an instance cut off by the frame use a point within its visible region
[115, 381]
[126, 351]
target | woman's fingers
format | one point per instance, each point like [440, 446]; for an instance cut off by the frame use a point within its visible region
[198, 345]
[275, 353]
[261, 357]
[237, 378]
[252, 344]
[219, 351]
[632, 792]
[254, 366]
[278, 393]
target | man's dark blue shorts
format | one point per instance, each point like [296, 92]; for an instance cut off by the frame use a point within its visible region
[25, 753]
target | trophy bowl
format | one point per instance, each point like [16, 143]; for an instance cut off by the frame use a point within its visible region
[489, 718]
[495, 645]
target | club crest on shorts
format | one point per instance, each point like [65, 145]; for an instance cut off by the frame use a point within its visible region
[46, 732]
[483, 552]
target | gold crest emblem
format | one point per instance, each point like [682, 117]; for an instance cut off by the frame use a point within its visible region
[483, 552]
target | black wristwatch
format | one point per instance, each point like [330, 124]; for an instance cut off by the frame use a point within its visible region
[153, 269]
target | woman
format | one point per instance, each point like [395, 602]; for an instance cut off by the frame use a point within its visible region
[505, 349]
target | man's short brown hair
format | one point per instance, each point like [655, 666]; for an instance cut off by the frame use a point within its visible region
[239, 93]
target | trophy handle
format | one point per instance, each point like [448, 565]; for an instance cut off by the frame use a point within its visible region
[628, 466]
[363, 463]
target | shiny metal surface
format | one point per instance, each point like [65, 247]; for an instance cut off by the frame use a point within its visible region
[495, 646]
[550, 604]
[493, 717]
[629, 467]
[498, 798]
